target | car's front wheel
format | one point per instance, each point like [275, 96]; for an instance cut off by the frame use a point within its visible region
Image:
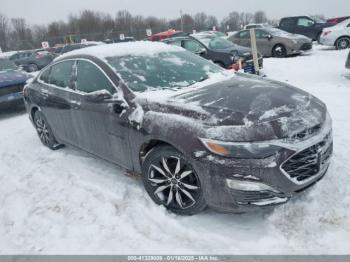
[32, 68]
[44, 131]
[342, 43]
[279, 51]
[170, 180]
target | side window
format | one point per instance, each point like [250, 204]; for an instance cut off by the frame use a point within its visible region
[45, 76]
[261, 34]
[244, 34]
[287, 22]
[192, 46]
[177, 43]
[91, 79]
[305, 22]
[61, 74]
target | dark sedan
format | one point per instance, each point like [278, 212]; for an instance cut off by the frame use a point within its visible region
[348, 62]
[221, 51]
[198, 134]
[12, 82]
[32, 60]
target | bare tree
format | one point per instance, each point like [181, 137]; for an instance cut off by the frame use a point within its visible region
[4, 32]
[260, 17]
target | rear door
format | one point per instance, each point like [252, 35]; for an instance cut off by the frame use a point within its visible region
[101, 127]
[243, 38]
[55, 88]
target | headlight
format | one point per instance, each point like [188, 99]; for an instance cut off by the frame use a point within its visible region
[258, 150]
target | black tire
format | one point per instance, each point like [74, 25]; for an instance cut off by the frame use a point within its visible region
[318, 37]
[279, 51]
[44, 131]
[342, 43]
[175, 186]
[32, 68]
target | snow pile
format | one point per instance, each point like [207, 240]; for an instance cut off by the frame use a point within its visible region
[67, 202]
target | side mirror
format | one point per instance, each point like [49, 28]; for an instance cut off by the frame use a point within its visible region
[201, 51]
[269, 37]
[98, 96]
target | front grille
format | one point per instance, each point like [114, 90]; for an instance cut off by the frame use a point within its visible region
[310, 161]
[11, 89]
[306, 46]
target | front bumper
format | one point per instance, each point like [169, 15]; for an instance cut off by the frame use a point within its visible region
[222, 175]
[11, 99]
[327, 41]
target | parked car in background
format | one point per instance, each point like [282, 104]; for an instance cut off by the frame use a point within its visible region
[198, 135]
[304, 25]
[337, 35]
[166, 34]
[347, 64]
[337, 20]
[32, 60]
[221, 51]
[250, 26]
[214, 33]
[273, 42]
[68, 48]
[12, 81]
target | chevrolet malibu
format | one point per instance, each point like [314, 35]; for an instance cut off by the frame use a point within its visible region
[198, 135]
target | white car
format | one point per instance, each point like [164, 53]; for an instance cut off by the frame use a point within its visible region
[338, 35]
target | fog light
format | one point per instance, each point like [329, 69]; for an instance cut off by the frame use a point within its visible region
[248, 186]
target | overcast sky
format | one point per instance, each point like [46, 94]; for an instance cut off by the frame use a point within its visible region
[43, 11]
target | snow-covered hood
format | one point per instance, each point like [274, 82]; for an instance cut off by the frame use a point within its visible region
[246, 108]
[8, 78]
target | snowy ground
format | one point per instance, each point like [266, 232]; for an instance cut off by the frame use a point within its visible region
[68, 202]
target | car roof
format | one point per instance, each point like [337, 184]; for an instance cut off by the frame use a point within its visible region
[121, 49]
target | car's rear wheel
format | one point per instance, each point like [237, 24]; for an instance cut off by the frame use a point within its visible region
[342, 43]
[170, 180]
[44, 131]
[279, 51]
[32, 68]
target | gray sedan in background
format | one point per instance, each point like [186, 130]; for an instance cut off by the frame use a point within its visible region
[32, 60]
[274, 42]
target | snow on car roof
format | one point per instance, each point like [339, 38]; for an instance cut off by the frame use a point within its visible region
[141, 48]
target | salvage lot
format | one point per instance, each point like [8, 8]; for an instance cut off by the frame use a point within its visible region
[69, 202]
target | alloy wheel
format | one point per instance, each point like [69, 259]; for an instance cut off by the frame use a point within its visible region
[175, 183]
[43, 131]
[343, 43]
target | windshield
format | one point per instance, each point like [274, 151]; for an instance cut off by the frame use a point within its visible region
[275, 31]
[166, 70]
[215, 43]
[7, 65]
[319, 19]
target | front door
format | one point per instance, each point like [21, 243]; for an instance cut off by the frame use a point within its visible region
[102, 130]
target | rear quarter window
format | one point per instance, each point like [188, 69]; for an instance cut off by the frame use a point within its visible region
[61, 74]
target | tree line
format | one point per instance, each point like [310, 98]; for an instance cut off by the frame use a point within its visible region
[17, 34]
